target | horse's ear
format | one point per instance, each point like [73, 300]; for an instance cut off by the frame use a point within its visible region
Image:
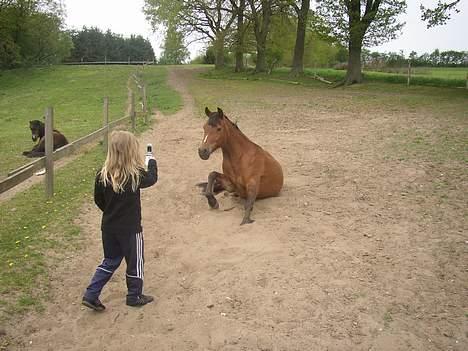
[207, 111]
[220, 113]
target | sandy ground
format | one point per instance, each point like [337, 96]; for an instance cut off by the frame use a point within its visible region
[352, 255]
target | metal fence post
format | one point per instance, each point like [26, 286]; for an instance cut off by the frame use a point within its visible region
[49, 152]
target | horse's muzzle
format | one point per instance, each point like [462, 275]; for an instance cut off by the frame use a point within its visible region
[204, 153]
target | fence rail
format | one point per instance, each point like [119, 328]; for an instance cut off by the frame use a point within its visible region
[111, 63]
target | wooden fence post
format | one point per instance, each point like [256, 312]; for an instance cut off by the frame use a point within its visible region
[105, 122]
[49, 152]
[132, 110]
[409, 73]
[145, 104]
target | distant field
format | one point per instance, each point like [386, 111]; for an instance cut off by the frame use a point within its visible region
[75, 92]
[434, 72]
[449, 77]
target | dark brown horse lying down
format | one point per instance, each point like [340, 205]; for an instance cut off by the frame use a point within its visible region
[38, 133]
[248, 170]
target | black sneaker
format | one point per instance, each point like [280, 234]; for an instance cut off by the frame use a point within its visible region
[93, 304]
[139, 301]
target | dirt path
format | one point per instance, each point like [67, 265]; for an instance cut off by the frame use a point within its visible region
[343, 260]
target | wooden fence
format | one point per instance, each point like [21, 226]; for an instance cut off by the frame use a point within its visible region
[26, 171]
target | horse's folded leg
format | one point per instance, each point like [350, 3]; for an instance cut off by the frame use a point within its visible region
[212, 202]
[202, 185]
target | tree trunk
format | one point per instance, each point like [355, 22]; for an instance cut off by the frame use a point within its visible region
[240, 38]
[219, 51]
[261, 66]
[261, 29]
[298, 59]
[354, 74]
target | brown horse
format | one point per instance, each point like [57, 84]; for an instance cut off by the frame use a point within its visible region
[37, 133]
[248, 170]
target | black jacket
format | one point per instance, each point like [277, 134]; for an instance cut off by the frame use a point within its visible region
[122, 211]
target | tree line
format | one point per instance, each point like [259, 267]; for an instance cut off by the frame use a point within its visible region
[31, 32]
[91, 45]
[257, 27]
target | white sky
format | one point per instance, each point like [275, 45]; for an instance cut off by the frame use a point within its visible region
[126, 17]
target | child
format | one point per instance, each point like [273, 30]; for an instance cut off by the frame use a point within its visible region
[117, 194]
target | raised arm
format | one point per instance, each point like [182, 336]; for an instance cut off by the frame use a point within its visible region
[99, 199]
[149, 177]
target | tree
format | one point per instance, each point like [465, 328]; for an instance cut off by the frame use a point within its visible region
[261, 13]
[302, 14]
[31, 33]
[240, 34]
[91, 44]
[366, 22]
[175, 53]
[207, 19]
[440, 14]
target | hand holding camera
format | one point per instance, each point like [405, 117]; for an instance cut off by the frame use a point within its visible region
[149, 153]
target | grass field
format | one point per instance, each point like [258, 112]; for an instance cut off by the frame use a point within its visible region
[76, 93]
[441, 77]
[35, 232]
[432, 72]
[438, 77]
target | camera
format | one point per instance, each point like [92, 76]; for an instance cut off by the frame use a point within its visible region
[149, 153]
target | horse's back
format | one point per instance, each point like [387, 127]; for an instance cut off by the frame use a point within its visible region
[271, 181]
[59, 139]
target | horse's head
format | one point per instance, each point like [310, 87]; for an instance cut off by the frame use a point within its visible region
[37, 129]
[214, 133]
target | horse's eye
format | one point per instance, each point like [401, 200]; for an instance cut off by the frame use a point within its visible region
[219, 129]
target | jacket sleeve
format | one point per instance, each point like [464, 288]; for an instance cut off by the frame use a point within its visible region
[149, 177]
[99, 198]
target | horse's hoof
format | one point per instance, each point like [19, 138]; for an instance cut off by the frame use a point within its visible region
[247, 221]
[212, 202]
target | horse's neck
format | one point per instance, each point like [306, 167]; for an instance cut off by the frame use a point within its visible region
[237, 143]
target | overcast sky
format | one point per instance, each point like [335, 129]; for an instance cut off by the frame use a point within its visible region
[126, 17]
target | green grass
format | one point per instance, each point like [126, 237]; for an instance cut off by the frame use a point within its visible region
[437, 77]
[432, 72]
[76, 93]
[163, 100]
[31, 228]
[35, 232]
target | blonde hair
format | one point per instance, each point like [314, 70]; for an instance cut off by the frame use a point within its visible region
[124, 162]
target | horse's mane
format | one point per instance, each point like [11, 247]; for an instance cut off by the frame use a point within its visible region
[215, 119]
